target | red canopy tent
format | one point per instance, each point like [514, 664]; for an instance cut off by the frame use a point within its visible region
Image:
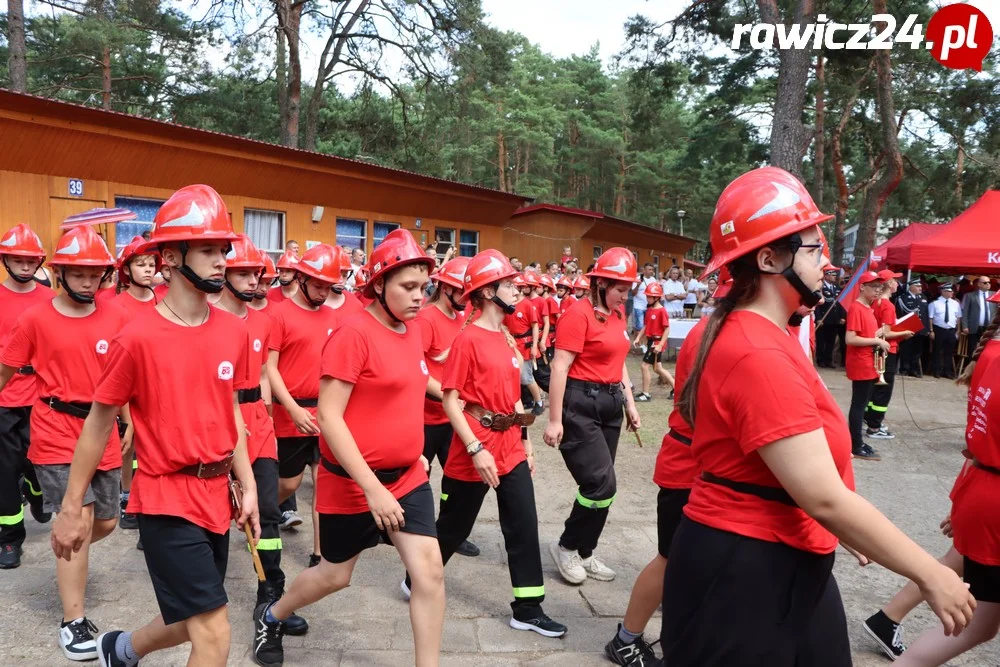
[968, 244]
[896, 251]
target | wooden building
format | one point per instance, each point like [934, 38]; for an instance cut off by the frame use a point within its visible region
[58, 159]
[540, 232]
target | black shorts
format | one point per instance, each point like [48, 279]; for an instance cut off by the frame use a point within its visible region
[344, 536]
[651, 356]
[669, 510]
[294, 454]
[187, 565]
[983, 580]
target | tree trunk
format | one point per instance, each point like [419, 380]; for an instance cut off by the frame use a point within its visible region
[789, 136]
[17, 62]
[886, 184]
[501, 154]
[819, 164]
[106, 78]
[289, 17]
[837, 159]
[959, 168]
[620, 186]
[281, 74]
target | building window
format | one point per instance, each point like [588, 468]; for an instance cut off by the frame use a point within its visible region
[145, 209]
[352, 233]
[266, 230]
[468, 243]
[656, 266]
[444, 239]
[382, 230]
[636, 255]
[597, 251]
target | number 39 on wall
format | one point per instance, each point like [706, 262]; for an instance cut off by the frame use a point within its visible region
[75, 187]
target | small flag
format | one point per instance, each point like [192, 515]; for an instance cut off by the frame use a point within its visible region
[98, 216]
[850, 293]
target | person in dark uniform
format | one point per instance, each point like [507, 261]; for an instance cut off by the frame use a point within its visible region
[945, 313]
[911, 350]
[830, 319]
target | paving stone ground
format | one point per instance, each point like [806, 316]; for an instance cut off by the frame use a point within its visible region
[368, 624]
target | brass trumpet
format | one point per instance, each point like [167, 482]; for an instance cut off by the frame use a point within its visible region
[880, 359]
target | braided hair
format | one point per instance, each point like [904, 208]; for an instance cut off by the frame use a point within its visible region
[985, 337]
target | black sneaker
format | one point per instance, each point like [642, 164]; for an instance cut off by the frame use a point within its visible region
[34, 503]
[314, 560]
[127, 521]
[107, 656]
[138, 543]
[880, 433]
[866, 453]
[538, 408]
[295, 625]
[266, 648]
[886, 633]
[638, 653]
[10, 556]
[541, 624]
[467, 548]
[76, 639]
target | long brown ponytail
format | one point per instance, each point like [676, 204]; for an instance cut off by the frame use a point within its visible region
[985, 337]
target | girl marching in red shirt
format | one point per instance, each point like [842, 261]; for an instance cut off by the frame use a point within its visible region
[66, 342]
[260, 301]
[582, 287]
[373, 479]
[587, 390]
[564, 292]
[862, 329]
[22, 255]
[654, 330]
[179, 370]
[975, 520]
[340, 299]
[755, 547]
[491, 448]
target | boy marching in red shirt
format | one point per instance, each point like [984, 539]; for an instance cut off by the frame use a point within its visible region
[66, 341]
[523, 326]
[373, 479]
[302, 325]
[22, 254]
[885, 315]
[260, 301]
[287, 285]
[179, 370]
[654, 330]
[862, 329]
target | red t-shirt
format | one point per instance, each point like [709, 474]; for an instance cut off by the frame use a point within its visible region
[600, 348]
[348, 307]
[885, 313]
[275, 295]
[656, 323]
[68, 354]
[104, 295]
[541, 305]
[21, 390]
[519, 324]
[160, 291]
[132, 306]
[485, 371]
[385, 412]
[179, 383]
[754, 374]
[261, 443]
[299, 335]
[267, 309]
[566, 302]
[860, 361]
[975, 513]
[363, 300]
[437, 331]
[676, 466]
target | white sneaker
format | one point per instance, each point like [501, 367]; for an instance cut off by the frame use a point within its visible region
[290, 519]
[569, 563]
[595, 569]
[76, 640]
[406, 589]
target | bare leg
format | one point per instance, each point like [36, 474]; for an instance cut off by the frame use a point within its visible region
[210, 635]
[536, 393]
[155, 636]
[664, 373]
[71, 575]
[647, 593]
[907, 599]
[314, 584]
[101, 529]
[127, 469]
[646, 378]
[287, 486]
[934, 648]
[422, 557]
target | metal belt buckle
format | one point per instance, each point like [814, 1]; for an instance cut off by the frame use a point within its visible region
[51, 402]
[201, 469]
[486, 420]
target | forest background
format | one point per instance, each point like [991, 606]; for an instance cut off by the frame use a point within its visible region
[660, 126]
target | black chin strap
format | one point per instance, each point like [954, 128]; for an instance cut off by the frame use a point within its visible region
[303, 280]
[385, 306]
[76, 296]
[507, 308]
[246, 297]
[17, 278]
[602, 296]
[809, 298]
[285, 283]
[459, 307]
[796, 319]
[210, 286]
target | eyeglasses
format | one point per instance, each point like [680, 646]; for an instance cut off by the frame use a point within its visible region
[814, 246]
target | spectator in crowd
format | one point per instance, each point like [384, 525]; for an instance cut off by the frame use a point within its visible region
[357, 261]
[695, 293]
[831, 319]
[945, 313]
[639, 292]
[977, 311]
[708, 307]
[516, 263]
[912, 351]
[674, 293]
[292, 246]
[552, 268]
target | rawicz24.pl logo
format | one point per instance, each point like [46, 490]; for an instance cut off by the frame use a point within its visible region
[958, 36]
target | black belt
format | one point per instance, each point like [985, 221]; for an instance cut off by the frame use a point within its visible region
[26, 370]
[78, 410]
[307, 402]
[385, 476]
[249, 395]
[593, 386]
[683, 439]
[522, 335]
[774, 493]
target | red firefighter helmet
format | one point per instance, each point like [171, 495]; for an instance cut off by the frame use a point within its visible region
[244, 254]
[547, 282]
[564, 281]
[519, 281]
[654, 289]
[320, 262]
[758, 208]
[129, 253]
[488, 267]
[531, 279]
[21, 241]
[453, 272]
[287, 261]
[82, 246]
[397, 249]
[582, 282]
[270, 271]
[616, 264]
[725, 284]
[361, 279]
[193, 213]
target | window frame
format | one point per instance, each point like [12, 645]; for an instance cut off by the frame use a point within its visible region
[118, 245]
[598, 251]
[274, 253]
[437, 243]
[462, 243]
[375, 224]
[364, 229]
